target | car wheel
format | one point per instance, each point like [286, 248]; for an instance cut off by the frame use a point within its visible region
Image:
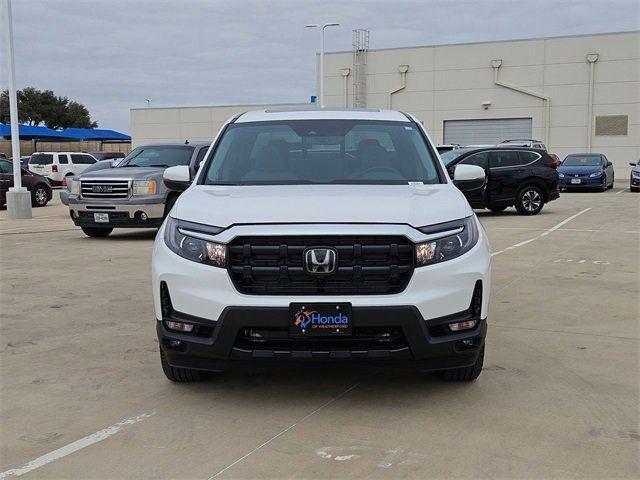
[178, 374]
[464, 374]
[497, 209]
[39, 196]
[530, 200]
[96, 231]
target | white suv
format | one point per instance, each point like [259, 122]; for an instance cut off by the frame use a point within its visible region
[58, 165]
[321, 236]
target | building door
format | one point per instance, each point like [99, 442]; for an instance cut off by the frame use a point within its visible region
[486, 132]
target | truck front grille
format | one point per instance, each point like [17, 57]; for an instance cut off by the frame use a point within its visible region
[366, 265]
[105, 189]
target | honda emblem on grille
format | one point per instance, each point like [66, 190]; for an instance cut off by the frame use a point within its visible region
[101, 189]
[320, 260]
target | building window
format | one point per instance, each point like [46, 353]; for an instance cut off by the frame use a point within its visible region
[612, 125]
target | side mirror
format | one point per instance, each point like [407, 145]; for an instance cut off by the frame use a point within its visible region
[468, 177]
[177, 178]
[633, 164]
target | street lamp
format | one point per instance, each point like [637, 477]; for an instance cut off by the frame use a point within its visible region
[18, 197]
[315, 25]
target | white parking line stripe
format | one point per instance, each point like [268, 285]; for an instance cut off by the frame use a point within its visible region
[618, 193]
[74, 447]
[543, 234]
[283, 431]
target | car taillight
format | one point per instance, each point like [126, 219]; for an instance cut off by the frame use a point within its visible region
[54, 168]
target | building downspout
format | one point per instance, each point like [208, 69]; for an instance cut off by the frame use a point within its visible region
[403, 69]
[345, 72]
[592, 58]
[496, 64]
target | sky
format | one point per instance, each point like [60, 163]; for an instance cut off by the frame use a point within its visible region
[111, 55]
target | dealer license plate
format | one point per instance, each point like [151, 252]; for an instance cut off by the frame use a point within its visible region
[101, 217]
[576, 180]
[326, 319]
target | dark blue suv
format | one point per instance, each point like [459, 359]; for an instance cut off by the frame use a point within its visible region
[590, 170]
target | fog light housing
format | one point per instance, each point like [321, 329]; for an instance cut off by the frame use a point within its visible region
[460, 326]
[179, 326]
[143, 216]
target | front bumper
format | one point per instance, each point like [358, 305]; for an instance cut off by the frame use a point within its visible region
[585, 182]
[121, 215]
[218, 346]
[435, 294]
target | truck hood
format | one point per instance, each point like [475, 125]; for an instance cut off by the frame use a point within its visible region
[139, 173]
[415, 205]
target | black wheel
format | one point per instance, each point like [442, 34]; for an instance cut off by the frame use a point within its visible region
[96, 231]
[177, 374]
[464, 374]
[530, 200]
[497, 209]
[39, 196]
[169, 205]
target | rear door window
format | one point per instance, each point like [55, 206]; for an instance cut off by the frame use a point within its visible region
[528, 157]
[503, 158]
[41, 159]
[63, 159]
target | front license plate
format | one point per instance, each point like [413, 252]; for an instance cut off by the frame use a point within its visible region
[101, 217]
[575, 180]
[326, 319]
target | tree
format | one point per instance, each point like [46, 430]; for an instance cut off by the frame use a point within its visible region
[36, 107]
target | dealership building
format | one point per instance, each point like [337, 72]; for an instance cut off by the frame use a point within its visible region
[576, 94]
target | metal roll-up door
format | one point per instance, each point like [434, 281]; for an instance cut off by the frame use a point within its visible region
[490, 131]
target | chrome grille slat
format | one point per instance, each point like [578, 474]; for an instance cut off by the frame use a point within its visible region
[105, 189]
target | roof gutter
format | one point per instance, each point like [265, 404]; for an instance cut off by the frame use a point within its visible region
[496, 64]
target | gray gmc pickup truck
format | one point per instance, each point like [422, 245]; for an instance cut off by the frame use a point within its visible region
[131, 195]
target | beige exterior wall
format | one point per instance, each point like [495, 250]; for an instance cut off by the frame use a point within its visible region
[450, 82]
[177, 124]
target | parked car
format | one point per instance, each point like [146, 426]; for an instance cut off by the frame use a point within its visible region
[523, 142]
[518, 176]
[68, 181]
[326, 236]
[591, 170]
[131, 194]
[58, 165]
[38, 185]
[117, 156]
[634, 181]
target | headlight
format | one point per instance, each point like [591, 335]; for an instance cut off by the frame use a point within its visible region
[560, 174]
[74, 186]
[449, 247]
[595, 174]
[144, 187]
[190, 243]
[635, 174]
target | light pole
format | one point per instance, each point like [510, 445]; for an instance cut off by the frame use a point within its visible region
[315, 25]
[18, 197]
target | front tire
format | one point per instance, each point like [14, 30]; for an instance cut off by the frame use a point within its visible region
[96, 232]
[39, 196]
[530, 200]
[464, 374]
[178, 374]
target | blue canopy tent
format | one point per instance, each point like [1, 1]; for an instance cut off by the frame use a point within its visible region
[27, 132]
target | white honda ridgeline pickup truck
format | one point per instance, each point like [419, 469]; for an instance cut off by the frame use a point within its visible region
[322, 236]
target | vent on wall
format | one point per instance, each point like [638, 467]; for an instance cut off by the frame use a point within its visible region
[612, 125]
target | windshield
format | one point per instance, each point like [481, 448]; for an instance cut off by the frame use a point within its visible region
[158, 156]
[582, 161]
[100, 165]
[321, 152]
[449, 157]
[41, 159]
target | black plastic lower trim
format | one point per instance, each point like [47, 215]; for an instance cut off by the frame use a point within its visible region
[421, 350]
